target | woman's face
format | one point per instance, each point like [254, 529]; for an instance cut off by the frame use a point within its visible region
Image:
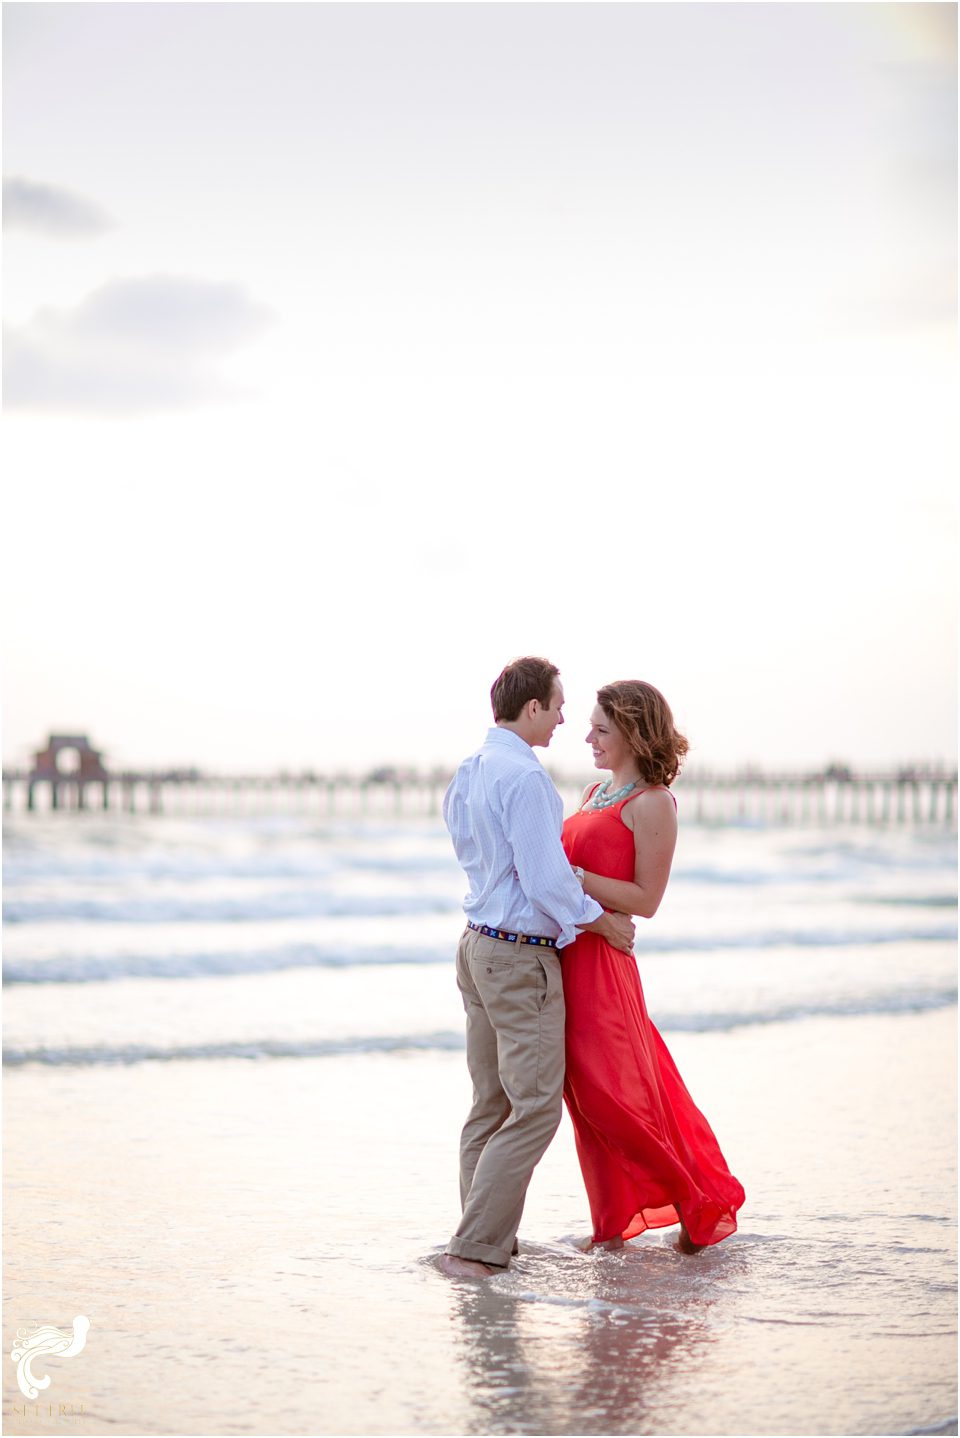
[610, 748]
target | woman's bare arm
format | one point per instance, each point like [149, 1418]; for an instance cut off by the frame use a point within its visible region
[653, 819]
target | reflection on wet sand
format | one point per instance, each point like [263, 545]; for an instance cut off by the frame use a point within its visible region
[579, 1344]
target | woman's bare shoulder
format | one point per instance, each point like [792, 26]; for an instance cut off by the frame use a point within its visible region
[650, 806]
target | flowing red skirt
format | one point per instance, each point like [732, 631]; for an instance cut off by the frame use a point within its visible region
[648, 1155]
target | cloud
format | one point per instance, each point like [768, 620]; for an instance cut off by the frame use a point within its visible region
[133, 345]
[51, 210]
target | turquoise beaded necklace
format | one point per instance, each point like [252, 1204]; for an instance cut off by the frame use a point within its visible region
[603, 800]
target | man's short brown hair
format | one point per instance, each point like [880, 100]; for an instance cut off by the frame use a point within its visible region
[521, 681]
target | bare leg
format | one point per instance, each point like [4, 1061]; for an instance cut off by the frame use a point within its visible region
[686, 1244]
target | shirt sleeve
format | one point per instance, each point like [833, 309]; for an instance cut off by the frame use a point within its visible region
[532, 818]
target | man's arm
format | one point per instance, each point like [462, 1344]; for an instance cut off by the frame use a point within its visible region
[532, 816]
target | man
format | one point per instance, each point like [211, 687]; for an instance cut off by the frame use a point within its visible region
[524, 905]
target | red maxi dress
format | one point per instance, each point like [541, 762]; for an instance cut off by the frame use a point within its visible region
[647, 1153]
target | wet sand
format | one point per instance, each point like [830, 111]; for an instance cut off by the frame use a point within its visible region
[254, 1244]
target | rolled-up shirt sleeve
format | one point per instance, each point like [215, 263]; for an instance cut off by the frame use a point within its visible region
[532, 818]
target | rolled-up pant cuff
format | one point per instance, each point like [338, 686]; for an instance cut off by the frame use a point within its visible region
[482, 1252]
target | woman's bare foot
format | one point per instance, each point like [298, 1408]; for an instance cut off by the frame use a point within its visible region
[588, 1245]
[455, 1267]
[686, 1244]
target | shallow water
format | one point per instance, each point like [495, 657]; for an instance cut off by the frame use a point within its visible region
[255, 1245]
[254, 1239]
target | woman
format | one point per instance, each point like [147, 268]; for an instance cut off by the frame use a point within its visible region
[649, 1157]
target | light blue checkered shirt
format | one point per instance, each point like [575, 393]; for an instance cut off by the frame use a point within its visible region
[505, 816]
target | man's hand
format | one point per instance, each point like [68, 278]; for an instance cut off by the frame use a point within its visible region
[617, 929]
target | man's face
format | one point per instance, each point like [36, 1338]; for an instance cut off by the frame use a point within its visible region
[547, 719]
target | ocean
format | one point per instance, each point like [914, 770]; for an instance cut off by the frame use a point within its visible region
[234, 1081]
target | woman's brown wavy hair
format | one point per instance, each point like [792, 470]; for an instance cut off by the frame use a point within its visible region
[645, 720]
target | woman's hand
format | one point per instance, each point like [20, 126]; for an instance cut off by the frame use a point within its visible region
[617, 929]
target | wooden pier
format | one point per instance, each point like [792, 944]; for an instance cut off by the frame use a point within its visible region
[902, 797]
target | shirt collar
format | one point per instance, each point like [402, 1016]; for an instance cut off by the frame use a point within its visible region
[507, 737]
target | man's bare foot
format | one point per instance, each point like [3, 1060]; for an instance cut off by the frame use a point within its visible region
[455, 1267]
[587, 1245]
[686, 1244]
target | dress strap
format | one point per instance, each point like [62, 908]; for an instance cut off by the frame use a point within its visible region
[651, 790]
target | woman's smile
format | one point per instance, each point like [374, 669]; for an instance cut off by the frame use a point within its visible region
[607, 745]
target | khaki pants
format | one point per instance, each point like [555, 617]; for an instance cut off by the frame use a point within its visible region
[513, 997]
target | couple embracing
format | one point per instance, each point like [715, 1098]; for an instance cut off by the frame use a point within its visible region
[545, 967]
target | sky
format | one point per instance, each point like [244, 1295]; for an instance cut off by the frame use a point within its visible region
[352, 350]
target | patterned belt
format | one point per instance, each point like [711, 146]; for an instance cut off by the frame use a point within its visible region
[512, 938]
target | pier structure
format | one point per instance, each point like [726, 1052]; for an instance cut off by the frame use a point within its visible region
[69, 775]
[897, 797]
[66, 767]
